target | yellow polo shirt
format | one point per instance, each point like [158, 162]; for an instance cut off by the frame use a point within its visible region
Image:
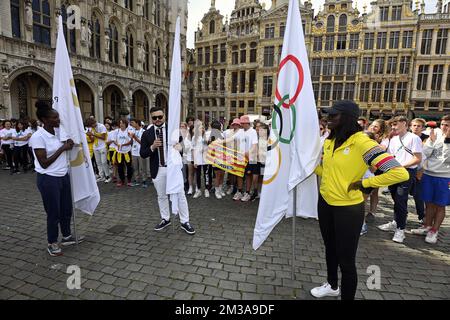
[349, 162]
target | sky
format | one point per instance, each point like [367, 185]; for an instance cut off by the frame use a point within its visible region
[198, 8]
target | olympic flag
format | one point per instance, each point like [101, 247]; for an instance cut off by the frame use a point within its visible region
[84, 187]
[294, 145]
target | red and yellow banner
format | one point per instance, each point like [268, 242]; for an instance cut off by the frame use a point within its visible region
[226, 159]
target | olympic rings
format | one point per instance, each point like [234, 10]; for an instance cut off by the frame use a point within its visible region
[278, 133]
[301, 79]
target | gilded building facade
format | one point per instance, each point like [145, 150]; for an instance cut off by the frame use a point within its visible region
[120, 53]
[371, 57]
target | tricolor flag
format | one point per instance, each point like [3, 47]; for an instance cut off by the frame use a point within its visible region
[294, 146]
[84, 186]
[175, 182]
[226, 159]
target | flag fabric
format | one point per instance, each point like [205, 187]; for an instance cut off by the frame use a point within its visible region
[294, 146]
[84, 186]
[226, 159]
[175, 181]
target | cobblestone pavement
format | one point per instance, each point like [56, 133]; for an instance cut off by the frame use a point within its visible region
[123, 258]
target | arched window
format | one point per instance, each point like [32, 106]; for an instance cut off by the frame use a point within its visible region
[331, 23]
[70, 34]
[147, 9]
[116, 103]
[113, 44]
[146, 109]
[212, 27]
[158, 61]
[95, 50]
[15, 18]
[343, 23]
[41, 22]
[129, 4]
[157, 13]
[129, 41]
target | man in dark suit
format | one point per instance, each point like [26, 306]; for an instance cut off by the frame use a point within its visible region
[154, 144]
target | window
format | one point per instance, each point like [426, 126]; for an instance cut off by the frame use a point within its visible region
[376, 91]
[364, 92]
[352, 65]
[267, 86]
[206, 80]
[214, 80]
[354, 41]
[391, 65]
[422, 77]
[253, 52]
[251, 106]
[113, 44]
[367, 65]
[241, 105]
[389, 92]
[242, 84]
[207, 55]
[379, 65]
[342, 42]
[448, 80]
[401, 91]
[243, 53]
[200, 56]
[343, 23]
[128, 4]
[329, 43]
[368, 40]
[436, 80]
[270, 31]
[95, 50]
[234, 82]
[381, 40]
[41, 22]
[316, 89]
[215, 54]
[349, 92]
[233, 106]
[158, 60]
[129, 41]
[325, 93]
[69, 34]
[223, 52]
[317, 44]
[331, 21]
[268, 56]
[316, 65]
[282, 30]
[441, 43]
[407, 39]
[394, 40]
[157, 13]
[396, 13]
[222, 80]
[338, 88]
[15, 18]
[147, 56]
[384, 13]
[340, 66]
[426, 41]
[147, 9]
[235, 55]
[116, 103]
[405, 63]
[327, 67]
[252, 81]
[212, 27]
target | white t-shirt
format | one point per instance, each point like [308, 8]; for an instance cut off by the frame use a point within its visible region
[385, 142]
[248, 139]
[236, 136]
[187, 150]
[398, 148]
[198, 145]
[42, 139]
[112, 137]
[9, 133]
[20, 134]
[101, 145]
[122, 138]
[136, 149]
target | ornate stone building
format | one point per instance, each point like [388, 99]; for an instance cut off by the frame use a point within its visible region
[370, 57]
[121, 54]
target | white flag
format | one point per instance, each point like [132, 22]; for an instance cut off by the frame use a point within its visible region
[85, 191]
[294, 144]
[175, 182]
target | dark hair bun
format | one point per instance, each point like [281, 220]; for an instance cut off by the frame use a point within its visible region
[43, 109]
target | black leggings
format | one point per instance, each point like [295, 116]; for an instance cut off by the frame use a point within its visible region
[21, 157]
[207, 176]
[9, 154]
[121, 167]
[340, 228]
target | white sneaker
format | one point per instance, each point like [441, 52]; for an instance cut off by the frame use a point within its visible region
[190, 191]
[390, 226]
[230, 190]
[108, 180]
[237, 196]
[422, 231]
[325, 291]
[246, 197]
[399, 236]
[222, 192]
[197, 194]
[100, 179]
[206, 193]
[431, 237]
[218, 194]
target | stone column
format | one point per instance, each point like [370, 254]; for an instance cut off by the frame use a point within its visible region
[5, 22]
[430, 77]
[434, 40]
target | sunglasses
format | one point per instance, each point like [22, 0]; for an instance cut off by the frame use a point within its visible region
[157, 118]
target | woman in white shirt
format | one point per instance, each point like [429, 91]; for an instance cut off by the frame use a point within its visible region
[199, 147]
[188, 160]
[123, 154]
[8, 143]
[53, 179]
[21, 137]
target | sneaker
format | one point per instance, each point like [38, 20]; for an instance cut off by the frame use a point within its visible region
[422, 231]
[238, 196]
[246, 197]
[135, 184]
[162, 225]
[129, 184]
[108, 180]
[230, 190]
[197, 194]
[431, 237]
[390, 226]
[100, 179]
[144, 185]
[119, 184]
[222, 192]
[70, 240]
[218, 195]
[54, 250]
[364, 229]
[254, 196]
[206, 194]
[325, 291]
[188, 228]
[190, 191]
[399, 236]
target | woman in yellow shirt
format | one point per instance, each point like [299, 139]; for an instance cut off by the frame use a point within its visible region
[348, 153]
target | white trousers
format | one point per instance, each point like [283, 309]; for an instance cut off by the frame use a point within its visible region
[102, 163]
[163, 200]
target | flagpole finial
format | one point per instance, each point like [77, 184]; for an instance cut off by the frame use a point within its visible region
[213, 4]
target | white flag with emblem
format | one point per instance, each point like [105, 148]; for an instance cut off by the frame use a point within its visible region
[85, 191]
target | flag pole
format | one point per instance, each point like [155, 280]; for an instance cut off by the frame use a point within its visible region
[71, 195]
[294, 215]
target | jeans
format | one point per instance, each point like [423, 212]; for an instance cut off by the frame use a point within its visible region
[21, 157]
[9, 154]
[340, 228]
[57, 198]
[400, 194]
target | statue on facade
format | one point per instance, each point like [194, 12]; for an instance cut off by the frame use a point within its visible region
[107, 42]
[28, 14]
[124, 48]
[141, 52]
